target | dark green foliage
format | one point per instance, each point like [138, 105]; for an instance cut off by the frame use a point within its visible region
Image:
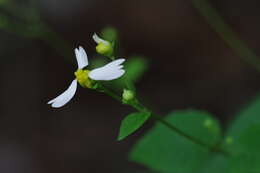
[131, 123]
[165, 151]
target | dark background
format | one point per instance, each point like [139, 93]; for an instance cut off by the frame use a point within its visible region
[190, 67]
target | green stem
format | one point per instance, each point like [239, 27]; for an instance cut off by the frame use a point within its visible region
[191, 138]
[226, 33]
[136, 105]
[107, 91]
[41, 31]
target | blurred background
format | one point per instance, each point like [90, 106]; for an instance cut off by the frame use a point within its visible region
[190, 66]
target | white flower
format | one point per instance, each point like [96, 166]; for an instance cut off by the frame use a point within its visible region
[110, 71]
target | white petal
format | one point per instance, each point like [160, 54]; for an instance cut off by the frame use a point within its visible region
[65, 97]
[116, 63]
[98, 40]
[82, 58]
[110, 71]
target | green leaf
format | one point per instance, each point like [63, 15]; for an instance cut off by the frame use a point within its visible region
[248, 117]
[131, 123]
[244, 132]
[217, 164]
[135, 67]
[166, 151]
[245, 118]
[247, 156]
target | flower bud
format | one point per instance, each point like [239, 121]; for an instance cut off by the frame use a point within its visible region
[128, 95]
[103, 47]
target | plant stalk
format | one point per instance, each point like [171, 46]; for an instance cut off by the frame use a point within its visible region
[136, 105]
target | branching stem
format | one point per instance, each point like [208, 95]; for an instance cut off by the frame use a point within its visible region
[136, 105]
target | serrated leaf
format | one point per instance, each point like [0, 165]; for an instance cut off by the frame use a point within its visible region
[166, 151]
[131, 123]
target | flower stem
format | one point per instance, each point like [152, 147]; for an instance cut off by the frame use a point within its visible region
[109, 92]
[136, 105]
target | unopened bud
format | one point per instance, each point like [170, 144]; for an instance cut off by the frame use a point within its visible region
[103, 47]
[128, 95]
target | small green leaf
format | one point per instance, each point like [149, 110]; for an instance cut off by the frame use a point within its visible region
[131, 123]
[165, 151]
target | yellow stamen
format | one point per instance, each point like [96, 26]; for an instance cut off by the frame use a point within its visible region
[83, 78]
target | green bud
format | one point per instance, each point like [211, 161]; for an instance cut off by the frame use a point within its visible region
[104, 49]
[128, 95]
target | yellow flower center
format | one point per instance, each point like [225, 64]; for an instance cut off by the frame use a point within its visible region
[83, 78]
